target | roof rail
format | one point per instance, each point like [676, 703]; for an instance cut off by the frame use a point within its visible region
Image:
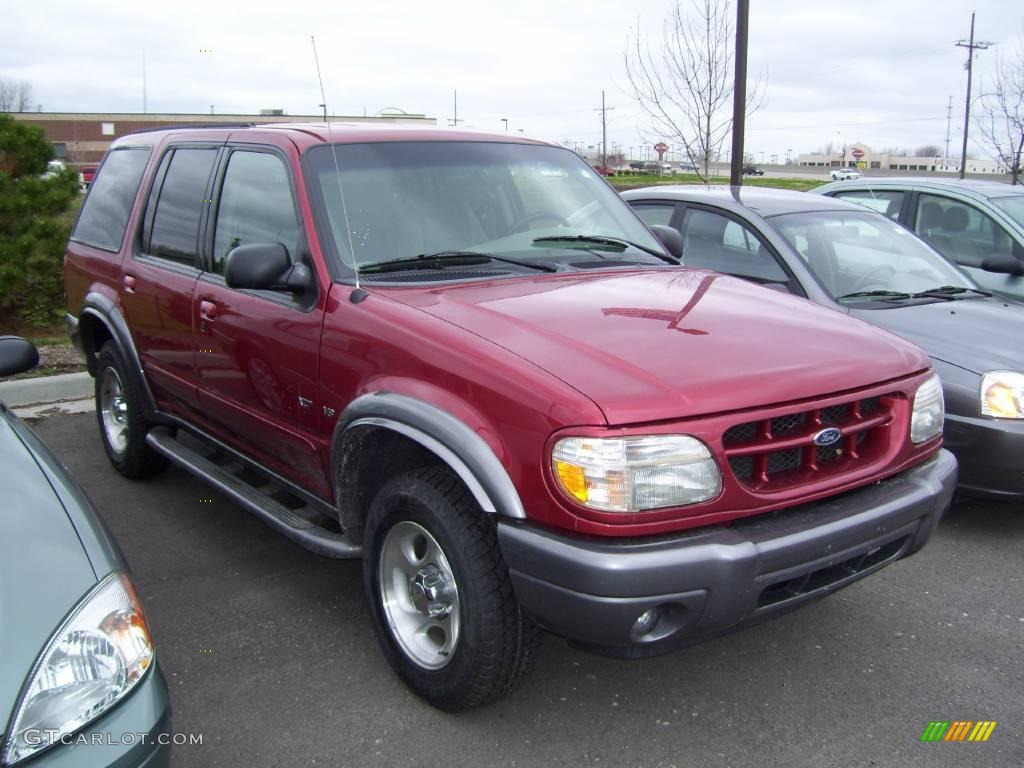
[193, 126]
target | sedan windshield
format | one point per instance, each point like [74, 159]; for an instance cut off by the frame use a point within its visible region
[1013, 205]
[860, 253]
[522, 201]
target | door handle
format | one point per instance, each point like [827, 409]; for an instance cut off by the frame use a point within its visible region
[207, 310]
[129, 283]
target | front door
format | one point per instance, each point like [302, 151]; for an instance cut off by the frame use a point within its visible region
[258, 351]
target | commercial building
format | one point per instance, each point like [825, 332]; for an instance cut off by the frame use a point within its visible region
[862, 156]
[82, 137]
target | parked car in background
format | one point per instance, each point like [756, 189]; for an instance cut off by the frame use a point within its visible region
[88, 173]
[477, 374]
[604, 170]
[976, 223]
[845, 174]
[79, 666]
[752, 170]
[861, 263]
[53, 168]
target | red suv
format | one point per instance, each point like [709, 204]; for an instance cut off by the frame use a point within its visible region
[463, 358]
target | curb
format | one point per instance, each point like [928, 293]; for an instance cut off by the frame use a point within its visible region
[43, 390]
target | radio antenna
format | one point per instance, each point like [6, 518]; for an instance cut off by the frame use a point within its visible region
[337, 172]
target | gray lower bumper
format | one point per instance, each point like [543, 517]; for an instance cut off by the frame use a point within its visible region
[990, 453]
[716, 580]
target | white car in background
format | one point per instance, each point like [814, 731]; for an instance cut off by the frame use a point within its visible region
[845, 174]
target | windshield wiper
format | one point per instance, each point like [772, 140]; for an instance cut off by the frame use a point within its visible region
[892, 295]
[443, 258]
[947, 292]
[604, 240]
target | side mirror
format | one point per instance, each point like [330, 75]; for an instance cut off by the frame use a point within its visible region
[17, 355]
[1003, 263]
[670, 238]
[264, 266]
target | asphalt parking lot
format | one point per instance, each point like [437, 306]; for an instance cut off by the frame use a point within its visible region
[269, 654]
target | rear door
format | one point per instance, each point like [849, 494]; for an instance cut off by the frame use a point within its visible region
[159, 280]
[258, 350]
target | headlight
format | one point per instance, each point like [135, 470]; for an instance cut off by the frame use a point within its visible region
[929, 410]
[1002, 394]
[630, 474]
[97, 656]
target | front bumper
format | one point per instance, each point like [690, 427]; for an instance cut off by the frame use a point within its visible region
[134, 734]
[716, 580]
[990, 453]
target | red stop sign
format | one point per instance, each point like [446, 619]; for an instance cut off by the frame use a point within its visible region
[857, 152]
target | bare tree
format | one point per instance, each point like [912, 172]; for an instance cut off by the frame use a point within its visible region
[15, 95]
[928, 150]
[1001, 121]
[685, 85]
[828, 148]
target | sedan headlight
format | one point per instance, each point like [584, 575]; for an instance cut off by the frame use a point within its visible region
[1002, 394]
[96, 657]
[929, 410]
[631, 474]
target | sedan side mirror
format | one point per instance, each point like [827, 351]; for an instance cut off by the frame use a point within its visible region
[1003, 263]
[17, 355]
[670, 238]
[265, 266]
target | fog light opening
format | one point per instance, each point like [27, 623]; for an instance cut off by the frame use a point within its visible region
[646, 623]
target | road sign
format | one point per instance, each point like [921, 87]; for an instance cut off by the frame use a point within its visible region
[661, 148]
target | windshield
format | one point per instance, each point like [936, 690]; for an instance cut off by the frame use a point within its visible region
[1013, 205]
[404, 199]
[852, 252]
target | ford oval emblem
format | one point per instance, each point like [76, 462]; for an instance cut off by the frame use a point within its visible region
[828, 436]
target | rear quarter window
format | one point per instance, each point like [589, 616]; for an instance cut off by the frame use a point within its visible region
[104, 215]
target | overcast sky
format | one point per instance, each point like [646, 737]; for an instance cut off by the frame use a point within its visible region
[875, 71]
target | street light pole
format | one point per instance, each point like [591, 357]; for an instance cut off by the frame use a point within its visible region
[739, 93]
[505, 121]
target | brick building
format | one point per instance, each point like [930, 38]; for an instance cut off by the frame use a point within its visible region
[82, 137]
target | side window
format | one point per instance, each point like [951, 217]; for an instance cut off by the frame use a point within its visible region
[887, 202]
[255, 206]
[174, 233]
[713, 241]
[105, 214]
[958, 230]
[654, 213]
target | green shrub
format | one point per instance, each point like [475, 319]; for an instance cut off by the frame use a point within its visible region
[33, 227]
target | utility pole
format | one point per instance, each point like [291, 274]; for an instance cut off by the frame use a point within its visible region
[604, 131]
[971, 46]
[144, 105]
[949, 117]
[455, 115]
[739, 93]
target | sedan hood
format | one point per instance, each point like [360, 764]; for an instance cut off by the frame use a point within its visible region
[982, 334]
[44, 569]
[673, 343]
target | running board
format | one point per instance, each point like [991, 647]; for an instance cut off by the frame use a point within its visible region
[291, 522]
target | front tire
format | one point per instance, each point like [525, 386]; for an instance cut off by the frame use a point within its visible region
[123, 424]
[440, 595]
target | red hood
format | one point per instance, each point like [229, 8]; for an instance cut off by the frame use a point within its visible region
[673, 343]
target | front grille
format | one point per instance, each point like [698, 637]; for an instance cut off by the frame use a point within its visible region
[783, 591]
[780, 452]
